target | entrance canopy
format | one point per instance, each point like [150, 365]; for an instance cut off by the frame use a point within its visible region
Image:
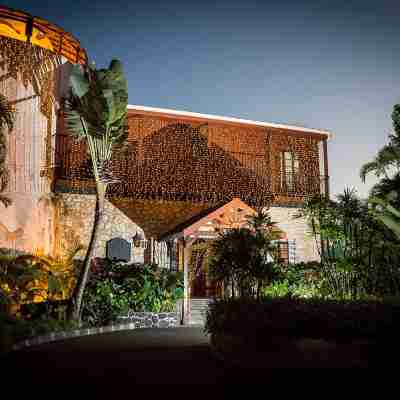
[233, 214]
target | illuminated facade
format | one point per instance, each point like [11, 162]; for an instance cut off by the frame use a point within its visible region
[176, 168]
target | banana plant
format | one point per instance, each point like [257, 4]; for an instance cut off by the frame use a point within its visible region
[95, 113]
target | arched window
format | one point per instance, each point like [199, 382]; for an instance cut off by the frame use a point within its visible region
[289, 170]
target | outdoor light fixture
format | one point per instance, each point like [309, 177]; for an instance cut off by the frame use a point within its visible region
[138, 239]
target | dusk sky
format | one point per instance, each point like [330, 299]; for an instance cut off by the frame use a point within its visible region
[331, 65]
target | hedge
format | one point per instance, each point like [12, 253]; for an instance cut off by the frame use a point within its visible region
[294, 318]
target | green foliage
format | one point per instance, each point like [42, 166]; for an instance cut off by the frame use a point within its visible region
[360, 256]
[241, 258]
[120, 287]
[24, 278]
[14, 330]
[289, 318]
[388, 214]
[388, 189]
[297, 280]
[386, 162]
[96, 111]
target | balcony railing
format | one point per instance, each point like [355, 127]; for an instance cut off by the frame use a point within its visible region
[300, 185]
[73, 164]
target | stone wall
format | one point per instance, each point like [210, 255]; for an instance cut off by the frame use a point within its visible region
[75, 222]
[296, 229]
[150, 319]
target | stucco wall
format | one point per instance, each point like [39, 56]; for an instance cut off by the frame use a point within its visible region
[296, 229]
[27, 224]
[75, 222]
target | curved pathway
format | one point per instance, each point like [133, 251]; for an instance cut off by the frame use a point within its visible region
[153, 355]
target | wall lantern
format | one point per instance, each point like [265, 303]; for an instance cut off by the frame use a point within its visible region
[139, 240]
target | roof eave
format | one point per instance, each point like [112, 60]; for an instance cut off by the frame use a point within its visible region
[218, 118]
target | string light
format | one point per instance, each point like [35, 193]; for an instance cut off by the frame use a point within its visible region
[33, 65]
[175, 161]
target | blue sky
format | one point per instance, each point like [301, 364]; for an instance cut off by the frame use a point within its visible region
[331, 65]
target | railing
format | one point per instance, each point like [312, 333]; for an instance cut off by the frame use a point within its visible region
[300, 185]
[72, 164]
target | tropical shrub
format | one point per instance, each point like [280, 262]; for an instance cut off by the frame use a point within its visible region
[34, 279]
[14, 330]
[116, 288]
[296, 280]
[259, 322]
[360, 256]
[241, 260]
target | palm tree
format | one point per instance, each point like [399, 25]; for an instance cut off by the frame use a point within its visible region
[388, 188]
[6, 121]
[95, 112]
[389, 156]
[240, 255]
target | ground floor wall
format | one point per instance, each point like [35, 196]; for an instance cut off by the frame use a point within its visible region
[297, 230]
[75, 222]
[57, 224]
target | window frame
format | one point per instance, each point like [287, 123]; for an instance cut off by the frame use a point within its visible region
[289, 170]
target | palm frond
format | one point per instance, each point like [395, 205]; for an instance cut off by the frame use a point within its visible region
[387, 186]
[396, 119]
[388, 156]
[73, 119]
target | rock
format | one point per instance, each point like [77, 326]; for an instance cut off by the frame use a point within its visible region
[163, 324]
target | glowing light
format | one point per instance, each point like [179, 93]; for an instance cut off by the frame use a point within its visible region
[17, 30]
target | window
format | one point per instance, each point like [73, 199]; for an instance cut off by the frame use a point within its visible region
[289, 170]
[285, 251]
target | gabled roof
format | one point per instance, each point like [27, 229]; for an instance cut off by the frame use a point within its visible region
[207, 224]
[217, 118]
[204, 224]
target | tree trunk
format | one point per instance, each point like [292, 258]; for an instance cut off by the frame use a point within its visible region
[76, 300]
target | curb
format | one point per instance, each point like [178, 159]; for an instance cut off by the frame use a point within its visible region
[57, 336]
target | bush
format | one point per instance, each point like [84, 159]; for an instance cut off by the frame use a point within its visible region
[296, 280]
[259, 322]
[115, 288]
[14, 330]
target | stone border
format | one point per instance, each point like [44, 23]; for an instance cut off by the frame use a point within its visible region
[57, 336]
[147, 319]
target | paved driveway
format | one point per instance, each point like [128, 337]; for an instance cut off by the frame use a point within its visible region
[172, 355]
